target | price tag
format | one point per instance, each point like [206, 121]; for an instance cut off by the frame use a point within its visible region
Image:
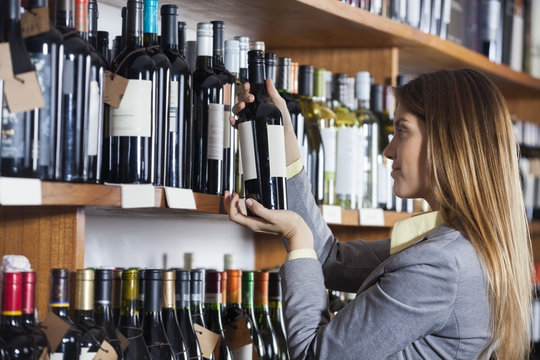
[6, 67]
[115, 87]
[137, 196]
[332, 214]
[55, 329]
[23, 92]
[35, 21]
[20, 191]
[371, 217]
[180, 198]
[237, 334]
[106, 352]
[124, 342]
[44, 354]
[208, 340]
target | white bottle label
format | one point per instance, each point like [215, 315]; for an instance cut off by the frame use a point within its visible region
[276, 150]
[212, 298]
[215, 132]
[56, 356]
[134, 115]
[348, 156]
[86, 354]
[245, 132]
[329, 137]
[173, 107]
[226, 129]
[93, 118]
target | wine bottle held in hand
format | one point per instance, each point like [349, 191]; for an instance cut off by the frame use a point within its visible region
[262, 141]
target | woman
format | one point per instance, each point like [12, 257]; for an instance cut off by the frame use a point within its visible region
[453, 283]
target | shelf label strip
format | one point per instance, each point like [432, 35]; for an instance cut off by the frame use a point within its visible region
[332, 214]
[20, 191]
[371, 217]
[137, 196]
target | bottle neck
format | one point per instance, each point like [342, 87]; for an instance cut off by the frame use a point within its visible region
[82, 316]
[182, 41]
[152, 295]
[205, 62]
[256, 73]
[169, 36]
[12, 19]
[183, 296]
[32, 4]
[129, 314]
[61, 311]
[134, 24]
[150, 20]
[363, 104]
[81, 18]
[92, 22]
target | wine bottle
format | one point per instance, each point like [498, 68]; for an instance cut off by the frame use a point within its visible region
[276, 313]
[178, 164]
[223, 290]
[349, 146]
[75, 93]
[93, 127]
[386, 134]
[152, 323]
[244, 48]
[39, 340]
[19, 344]
[314, 162]
[270, 66]
[183, 305]
[212, 314]
[369, 130]
[207, 149]
[70, 345]
[182, 27]
[91, 335]
[264, 324]
[129, 324]
[196, 298]
[132, 122]
[102, 45]
[142, 292]
[116, 296]
[18, 148]
[262, 142]
[170, 321]
[490, 23]
[231, 155]
[102, 307]
[248, 286]
[46, 51]
[161, 104]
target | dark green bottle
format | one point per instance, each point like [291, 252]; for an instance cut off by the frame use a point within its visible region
[262, 315]
[248, 286]
[168, 314]
[212, 313]
[183, 304]
[276, 313]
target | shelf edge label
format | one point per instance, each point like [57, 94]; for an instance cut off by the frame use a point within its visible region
[332, 214]
[178, 198]
[371, 217]
[137, 196]
[20, 191]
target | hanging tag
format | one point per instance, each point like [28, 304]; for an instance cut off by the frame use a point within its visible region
[55, 329]
[207, 340]
[180, 198]
[237, 334]
[371, 217]
[124, 342]
[6, 67]
[106, 352]
[23, 92]
[44, 354]
[332, 214]
[137, 196]
[35, 21]
[114, 88]
[20, 191]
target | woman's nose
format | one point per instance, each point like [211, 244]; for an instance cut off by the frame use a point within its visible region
[389, 150]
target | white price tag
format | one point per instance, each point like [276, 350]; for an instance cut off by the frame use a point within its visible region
[137, 196]
[180, 198]
[371, 217]
[331, 214]
[20, 191]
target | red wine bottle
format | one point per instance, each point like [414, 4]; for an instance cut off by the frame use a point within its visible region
[39, 339]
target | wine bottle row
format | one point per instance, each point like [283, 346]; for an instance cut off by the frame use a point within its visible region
[528, 138]
[146, 314]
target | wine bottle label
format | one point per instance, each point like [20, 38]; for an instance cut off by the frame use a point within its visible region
[86, 354]
[276, 150]
[348, 157]
[196, 298]
[93, 118]
[134, 115]
[215, 131]
[249, 167]
[12, 134]
[42, 64]
[329, 137]
[210, 298]
[226, 129]
[68, 76]
[56, 356]
[173, 107]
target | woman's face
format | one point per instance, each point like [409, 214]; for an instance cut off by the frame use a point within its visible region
[408, 150]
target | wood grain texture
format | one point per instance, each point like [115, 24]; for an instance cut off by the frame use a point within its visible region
[50, 237]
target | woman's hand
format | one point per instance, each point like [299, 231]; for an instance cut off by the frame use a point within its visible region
[292, 152]
[285, 223]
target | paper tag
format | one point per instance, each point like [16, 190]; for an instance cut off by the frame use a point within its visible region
[106, 352]
[180, 198]
[124, 342]
[332, 214]
[137, 196]
[114, 89]
[20, 191]
[44, 354]
[23, 92]
[208, 340]
[35, 21]
[6, 67]
[237, 334]
[535, 167]
[371, 217]
[55, 329]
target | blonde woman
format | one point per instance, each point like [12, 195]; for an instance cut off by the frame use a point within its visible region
[453, 283]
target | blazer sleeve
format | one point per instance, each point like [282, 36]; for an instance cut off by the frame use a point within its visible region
[346, 264]
[412, 298]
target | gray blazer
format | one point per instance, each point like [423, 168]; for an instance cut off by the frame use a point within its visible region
[428, 301]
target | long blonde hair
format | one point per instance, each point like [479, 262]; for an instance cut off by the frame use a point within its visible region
[473, 170]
